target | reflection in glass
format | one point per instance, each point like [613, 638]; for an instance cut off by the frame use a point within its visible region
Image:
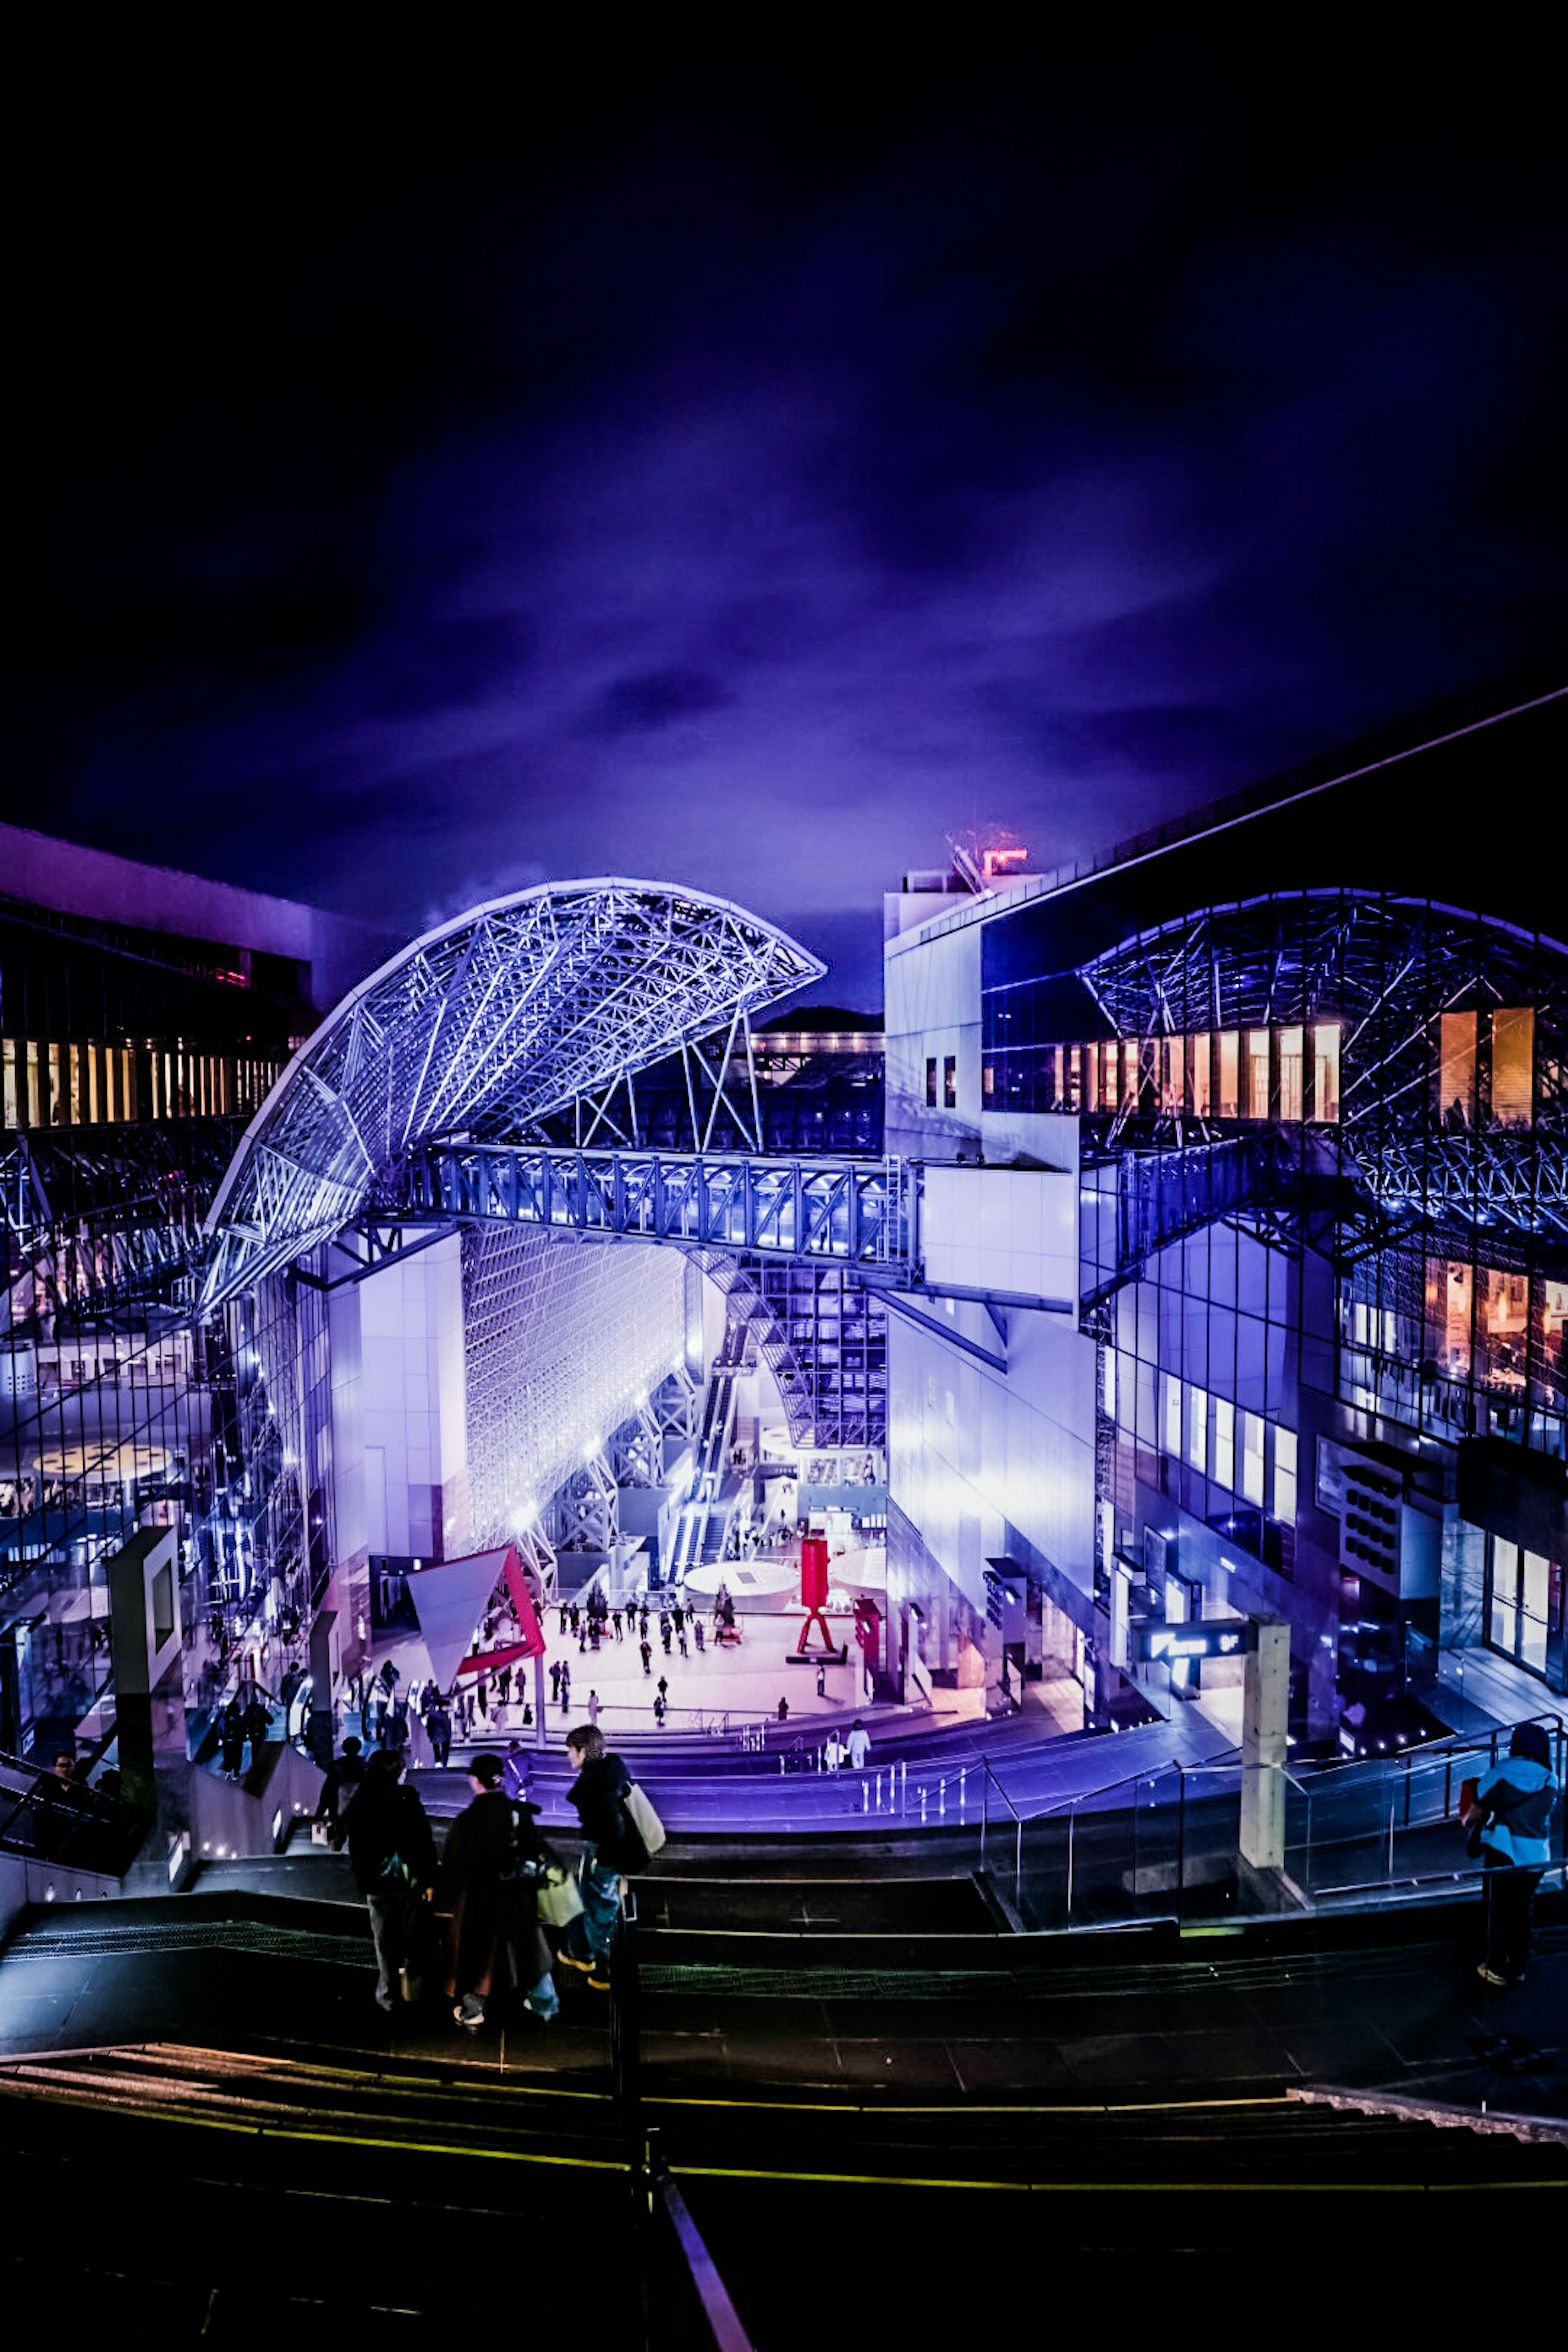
[1290, 1089]
[1230, 1044]
[1457, 1071]
[1198, 1075]
[1513, 1052]
[1326, 1072]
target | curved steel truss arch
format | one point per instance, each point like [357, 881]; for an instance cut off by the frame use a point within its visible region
[485, 1028]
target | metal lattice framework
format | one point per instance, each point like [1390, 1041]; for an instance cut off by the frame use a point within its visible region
[488, 1028]
[1386, 969]
[863, 1213]
[565, 1342]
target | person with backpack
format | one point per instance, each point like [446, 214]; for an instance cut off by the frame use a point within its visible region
[489, 1877]
[1515, 1801]
[394, 1858]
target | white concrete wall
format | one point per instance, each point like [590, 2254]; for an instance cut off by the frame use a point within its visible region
[1010, 1229]
[932, 984]
[412, 1405]
[971, 1450]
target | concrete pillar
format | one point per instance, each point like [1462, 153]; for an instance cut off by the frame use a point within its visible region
[1265, 1707]
[325, 1663]
[149, 1699]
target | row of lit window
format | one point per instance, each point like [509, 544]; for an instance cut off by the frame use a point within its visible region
[1290, 1073]
[43, 1084]
[1237, 1449]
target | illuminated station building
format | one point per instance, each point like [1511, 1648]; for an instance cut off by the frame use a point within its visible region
[1246, 1173]
[1211, 1264]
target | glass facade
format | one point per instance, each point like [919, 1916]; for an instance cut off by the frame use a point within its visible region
[129, 1062]
[1324, 1152]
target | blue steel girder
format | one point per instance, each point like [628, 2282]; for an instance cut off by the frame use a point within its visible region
[854, 1212]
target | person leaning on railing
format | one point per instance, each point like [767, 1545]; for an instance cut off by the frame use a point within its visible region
[1515, 1800]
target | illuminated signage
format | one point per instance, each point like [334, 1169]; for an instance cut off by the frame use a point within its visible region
[1171, 1643]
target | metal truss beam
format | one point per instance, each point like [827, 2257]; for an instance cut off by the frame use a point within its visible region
[856, 1213]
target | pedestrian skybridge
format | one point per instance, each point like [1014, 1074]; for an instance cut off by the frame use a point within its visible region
[860, 1214]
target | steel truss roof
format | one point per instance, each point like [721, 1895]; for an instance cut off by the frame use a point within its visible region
[1385, 968]
[484, 1028]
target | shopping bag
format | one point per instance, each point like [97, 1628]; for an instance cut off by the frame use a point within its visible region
[558, 1899]
[644, 1819]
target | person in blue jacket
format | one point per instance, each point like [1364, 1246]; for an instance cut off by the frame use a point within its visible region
[1516, 1798]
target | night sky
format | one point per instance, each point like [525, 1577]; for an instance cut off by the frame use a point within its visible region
[746, 459]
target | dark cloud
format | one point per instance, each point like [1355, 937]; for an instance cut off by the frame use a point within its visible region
[447, 474]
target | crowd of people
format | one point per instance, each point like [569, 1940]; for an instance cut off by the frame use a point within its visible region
[467, 1923]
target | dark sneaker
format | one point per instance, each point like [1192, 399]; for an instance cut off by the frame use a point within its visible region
[599, 1981]
[470, 2013]
[570, 1960]
[1491, 1976]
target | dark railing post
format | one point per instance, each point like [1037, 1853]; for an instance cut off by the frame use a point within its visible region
[1181, 1838]
[625, 2050]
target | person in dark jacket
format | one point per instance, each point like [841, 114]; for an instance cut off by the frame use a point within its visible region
[599, 1795]
[1516, 1799]
[438, 1724]
[344, 1772]
[394, 1858]
[490, 1884]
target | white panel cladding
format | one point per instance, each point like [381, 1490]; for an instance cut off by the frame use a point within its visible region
[933, 1013]
[411, 1395]
[1002, 1229]
[971, 1449]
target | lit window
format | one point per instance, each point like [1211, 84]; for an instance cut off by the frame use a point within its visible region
[1223, 1460]
[1198, 1075]
[1457, 1072]
[1229, 1058]
[930, 1082]
[1291, 1087]
[949, 1082]
[1326, 1072]
[1513, 1051]
[1252, 1458]
[1285, 1475]
[1197, 1428]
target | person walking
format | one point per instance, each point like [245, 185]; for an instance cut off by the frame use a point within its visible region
[697, 1633]
[438, 1724]
[488, 1884]
[555, 1679]
[593, 1705]
[658, 1709]
[598, 1793]
[1515, 1800]
[565, 1689]
[344, 1771]
[231, 1739]
[859, 1745]
[393, 1855]
[646, 1655]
